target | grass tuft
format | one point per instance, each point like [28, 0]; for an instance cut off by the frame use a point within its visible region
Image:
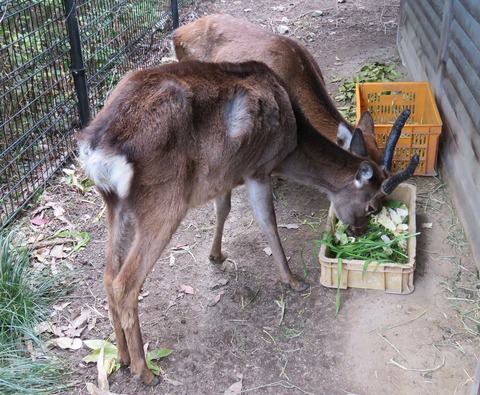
[25, 298]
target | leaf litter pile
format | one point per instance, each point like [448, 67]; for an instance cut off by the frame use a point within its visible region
[385, 241]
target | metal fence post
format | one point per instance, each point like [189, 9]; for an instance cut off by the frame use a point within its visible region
[78, 69]
[175, 13]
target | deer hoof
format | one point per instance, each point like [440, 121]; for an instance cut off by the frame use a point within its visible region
[147, 378]
[217, 258]
[123, 358]
[297, 286]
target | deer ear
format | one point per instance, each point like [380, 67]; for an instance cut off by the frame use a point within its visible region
[357, 145]
[373, 208]
[366, 124]
[344, 136]
[364, 174]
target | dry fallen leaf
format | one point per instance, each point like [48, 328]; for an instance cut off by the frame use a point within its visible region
[82, 318]
[40, 254]
[94, 390]
[58, 211]
[236, 388]
[187, 289]
[102, 373]
[35, 238]
[172, 382]
[42, 327]
[57, 252]
[216, 299]
[39, 221]
[61, 306]
[68, 343]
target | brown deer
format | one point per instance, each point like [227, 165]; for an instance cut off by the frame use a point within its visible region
[176, 136]
[223, 38]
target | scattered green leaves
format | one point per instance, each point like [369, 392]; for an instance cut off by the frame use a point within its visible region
[71, 180]
[374, 72]
[110, 352]
[155, 355]
[83, 238]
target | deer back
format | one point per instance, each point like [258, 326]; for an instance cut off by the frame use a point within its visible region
[223, 38]
[200, 127]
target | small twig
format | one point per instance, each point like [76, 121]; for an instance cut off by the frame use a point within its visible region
[270, 336]
[470, 379]
[403, 323]
[393, 362]
[282, 372]
[395, 348]
[281, 303]
[249, 302]
[235, 266]
[100, 214]
[47, 243]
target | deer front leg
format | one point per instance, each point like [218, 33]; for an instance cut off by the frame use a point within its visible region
[260, 197]
[222, 209]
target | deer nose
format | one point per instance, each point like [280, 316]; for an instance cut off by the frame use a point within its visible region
[355, 230]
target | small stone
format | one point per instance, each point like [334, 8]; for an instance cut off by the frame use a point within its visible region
[317, 13]
[283, 29]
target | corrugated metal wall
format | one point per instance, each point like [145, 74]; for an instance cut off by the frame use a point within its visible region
[439, 41]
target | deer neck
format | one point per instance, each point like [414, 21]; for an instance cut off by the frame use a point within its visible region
[318, 161]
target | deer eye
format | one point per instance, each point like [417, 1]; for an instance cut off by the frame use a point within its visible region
[372, 210]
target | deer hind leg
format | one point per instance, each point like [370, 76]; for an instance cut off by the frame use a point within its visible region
[119, 240]
[222, 209]
[260, 197]
[152, 232]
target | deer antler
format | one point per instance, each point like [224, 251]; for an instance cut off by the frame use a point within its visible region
[394, 181]
[393, 137]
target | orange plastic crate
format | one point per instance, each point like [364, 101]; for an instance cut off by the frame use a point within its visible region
[420, 135]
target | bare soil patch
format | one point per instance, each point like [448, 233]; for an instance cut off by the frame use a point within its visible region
[233, 324]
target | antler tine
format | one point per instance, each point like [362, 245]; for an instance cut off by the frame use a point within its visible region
[393, 137]
[394, 181]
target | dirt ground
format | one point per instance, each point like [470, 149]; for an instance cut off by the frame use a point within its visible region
[232, 327]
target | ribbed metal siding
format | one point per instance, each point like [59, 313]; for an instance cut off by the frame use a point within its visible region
[420, 28]
[439, 41]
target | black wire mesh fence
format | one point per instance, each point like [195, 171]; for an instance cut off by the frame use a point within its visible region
[39, 78]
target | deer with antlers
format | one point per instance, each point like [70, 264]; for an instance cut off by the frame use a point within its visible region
[223, 38]
[173, 137]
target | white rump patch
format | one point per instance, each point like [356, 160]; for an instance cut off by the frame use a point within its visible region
[344, 136]
[237, 116]
[109, 172]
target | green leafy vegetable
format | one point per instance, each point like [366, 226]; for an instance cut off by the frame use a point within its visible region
[385, 241]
